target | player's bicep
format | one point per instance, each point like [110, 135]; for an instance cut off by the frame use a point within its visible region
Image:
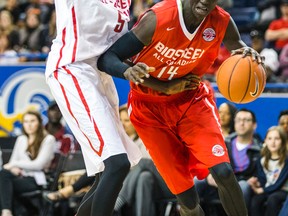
[232, 39]
[145, 28]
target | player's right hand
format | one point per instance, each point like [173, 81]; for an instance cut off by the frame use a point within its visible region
[188, 82]
[138, 72]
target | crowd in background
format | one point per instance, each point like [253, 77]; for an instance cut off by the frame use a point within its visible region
[260, 165]
[27, 28]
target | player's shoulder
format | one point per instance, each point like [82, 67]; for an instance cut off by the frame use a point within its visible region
[165, 5]
[219, 12]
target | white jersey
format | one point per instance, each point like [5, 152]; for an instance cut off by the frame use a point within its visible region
[86, 29]
[87, 97]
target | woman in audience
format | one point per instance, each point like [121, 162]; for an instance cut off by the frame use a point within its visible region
[33, 151]
[271, 182]
[227, 113]
[8, 28]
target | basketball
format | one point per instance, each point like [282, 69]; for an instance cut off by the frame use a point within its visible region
[240, 79]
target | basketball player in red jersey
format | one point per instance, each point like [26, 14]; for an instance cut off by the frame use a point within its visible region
[181, 131]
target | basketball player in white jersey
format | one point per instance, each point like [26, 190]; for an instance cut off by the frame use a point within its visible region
[87, 97]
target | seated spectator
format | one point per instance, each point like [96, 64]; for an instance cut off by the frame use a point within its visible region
[269, 11]
[284, 208]
[41, 7]
[138, 7]
[283, 120]
[69, 190]
[244, 150]
[1, 160]
[283, 60]
[143, 185]
[270, 184]
[32, 153]
[227, 113]
[13, 7]
[271, 56]
[225, 4]
[277, 31]
[7, 27]
[141, 188]
[65, 141]
[32, 37]
[8, 56]
[50, 33]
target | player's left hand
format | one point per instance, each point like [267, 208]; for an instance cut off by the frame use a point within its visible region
[137, 72]
[245, 51]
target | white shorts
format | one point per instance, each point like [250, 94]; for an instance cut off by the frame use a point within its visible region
[89, 103]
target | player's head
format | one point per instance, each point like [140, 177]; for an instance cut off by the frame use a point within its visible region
[200, 8]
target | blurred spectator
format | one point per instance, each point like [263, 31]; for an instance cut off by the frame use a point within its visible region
[41, 7]
[138, 7]
[277, 31]
[283, 120]
[33, 151]
[13, 8]
[32, 35]
[269, 11]
[7, 54]
[227, 113]
[271, 56]
[1, 160]
[65, 141]
[50, 33]
[143, 186]
[7, 27]
[270, 184]
[225, 4]
[283, 59]
[284, 208]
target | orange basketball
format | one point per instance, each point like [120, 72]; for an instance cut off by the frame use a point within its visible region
[241, 80]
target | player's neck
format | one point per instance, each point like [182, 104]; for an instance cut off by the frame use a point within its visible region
[191, 22]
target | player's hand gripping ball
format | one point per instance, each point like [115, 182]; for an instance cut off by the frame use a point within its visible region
[240, 79]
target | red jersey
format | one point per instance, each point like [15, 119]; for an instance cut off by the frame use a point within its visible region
[174, 51]
[276, 25]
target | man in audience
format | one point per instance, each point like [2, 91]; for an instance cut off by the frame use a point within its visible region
[64, 137]
[243, 149]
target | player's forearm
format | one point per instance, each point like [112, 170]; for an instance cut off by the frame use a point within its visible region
[156, 84]
[111, 61]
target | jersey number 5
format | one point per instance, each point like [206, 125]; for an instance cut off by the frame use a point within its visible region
[118, 28]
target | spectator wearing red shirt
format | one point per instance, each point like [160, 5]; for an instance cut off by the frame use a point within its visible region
[278, 29]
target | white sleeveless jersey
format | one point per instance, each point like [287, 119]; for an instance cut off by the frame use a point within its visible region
[85, 29]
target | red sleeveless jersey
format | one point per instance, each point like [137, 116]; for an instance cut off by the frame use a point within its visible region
[174, 51]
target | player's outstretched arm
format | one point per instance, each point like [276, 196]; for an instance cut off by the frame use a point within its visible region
[188, 82]
[235, 45]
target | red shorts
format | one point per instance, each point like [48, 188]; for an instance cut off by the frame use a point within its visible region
[181, 132]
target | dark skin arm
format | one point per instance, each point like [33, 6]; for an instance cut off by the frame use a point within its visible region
[235, 45]
[144, 31]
